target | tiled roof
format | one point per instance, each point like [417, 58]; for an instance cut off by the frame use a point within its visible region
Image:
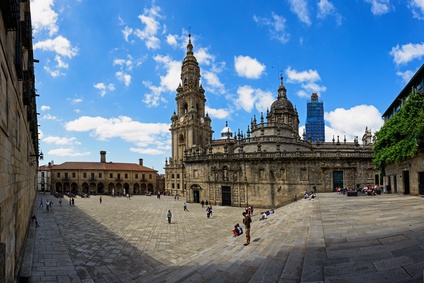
[108, 166]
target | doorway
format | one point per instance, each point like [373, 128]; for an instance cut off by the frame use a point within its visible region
[405, 176]
[337, 180]
[421, 183]
[196, 196]
[226, 195]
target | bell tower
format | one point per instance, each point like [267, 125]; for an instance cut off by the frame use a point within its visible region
[191, 126]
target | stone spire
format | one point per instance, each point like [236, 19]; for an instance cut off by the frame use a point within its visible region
[282, 89]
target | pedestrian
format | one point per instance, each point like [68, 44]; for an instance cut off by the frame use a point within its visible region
[208, 212]
[60, 201]
[70, 202]
[51, 205]
[73, 202]
[169, 216]
[295, 198]
[100, 199]
[185, 207]
[251, 208]
[41, 203]
[34, 219]
[47, 205]
[246, 221]
[202, 203]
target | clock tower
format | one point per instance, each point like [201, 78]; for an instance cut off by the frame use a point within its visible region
[191, 126]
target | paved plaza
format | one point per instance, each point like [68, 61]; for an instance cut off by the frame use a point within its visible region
[333, 238]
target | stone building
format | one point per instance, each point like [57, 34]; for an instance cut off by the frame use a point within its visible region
[407, 176]
[267, 166]
[18, 134]
[103, 177]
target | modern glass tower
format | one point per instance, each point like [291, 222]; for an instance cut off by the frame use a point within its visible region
[315, 129]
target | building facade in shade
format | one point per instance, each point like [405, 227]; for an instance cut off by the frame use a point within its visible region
[315, 126]
[111, 178]
[19, 149]
[407, 176]
[267, 166]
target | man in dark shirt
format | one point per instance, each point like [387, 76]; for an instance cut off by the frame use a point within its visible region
[246, 221]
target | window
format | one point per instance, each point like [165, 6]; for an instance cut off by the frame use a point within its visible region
[143, 177]
[119, 176]
[178, 186]
[136, 176]
[111, 175]
[100, 175]
[84, 175]
[126, 176]
[58, 174]
[172, 176]
[73, 174]
[150, 176]
[178, 176]
[173, 185]
[42, 174]
[92, 176]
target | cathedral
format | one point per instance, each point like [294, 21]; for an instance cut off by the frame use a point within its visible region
[266, 166]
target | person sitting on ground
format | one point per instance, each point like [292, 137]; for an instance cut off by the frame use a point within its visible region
[237, 231]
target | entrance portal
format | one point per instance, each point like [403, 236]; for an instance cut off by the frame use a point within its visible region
[226, 195]
[196, 196]
[337, 180]
[405, 176]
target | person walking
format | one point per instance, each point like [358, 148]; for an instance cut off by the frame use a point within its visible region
[41, 203]
[169, 216]
[100, 199]
[208, 212]
[185, 207]
[246, 221]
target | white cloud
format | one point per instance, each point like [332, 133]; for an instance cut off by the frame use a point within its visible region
[49, 117]
[379, 7]
[45, 107]
[249, 97]
[217, 113]
[213, 81]
[352, 122]
[43, 17]
[148, 34]
[59, 44]
[407, 53]
[76, 100]
[127, 64]
[299, 7]
[417, 8]
[61, 140]
[326, 8]
[104, 88]
[171, 40]
[276, 26]
[203, 57]
[127, 31]
[69, 152]
[306, 79]
[248, 67]
[406, 76]
[123, 77]
[121, 127]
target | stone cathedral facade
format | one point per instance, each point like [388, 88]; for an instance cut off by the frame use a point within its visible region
[265, 167]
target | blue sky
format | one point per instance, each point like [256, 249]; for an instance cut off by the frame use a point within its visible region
[108, 70]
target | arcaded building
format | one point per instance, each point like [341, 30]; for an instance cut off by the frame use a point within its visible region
[19, 152]
[267, 165]
[111, 178]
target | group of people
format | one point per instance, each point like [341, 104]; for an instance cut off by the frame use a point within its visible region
[265, 214]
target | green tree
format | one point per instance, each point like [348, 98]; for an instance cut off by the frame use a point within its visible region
[402, 135]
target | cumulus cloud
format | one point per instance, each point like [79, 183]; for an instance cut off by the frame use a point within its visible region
[300, 8]
[406, 76]
[248, 67]
[45, 107]
[352, 122]
[217, 113]
[127, 31]
[307, 80]
[417, 8]
[171, 40]
[43, 17]
[103, 88]
[148, 34]
[123, 77]
[249, 97]
[406, 53]
[68, 152]
[49, 117]
[213, 82]
[379, 7]
[61, 140]
[276, 27]
[122, 127]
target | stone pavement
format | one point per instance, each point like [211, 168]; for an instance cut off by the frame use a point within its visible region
[333, 238]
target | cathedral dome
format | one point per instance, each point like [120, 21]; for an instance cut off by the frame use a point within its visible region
[282, 103]
[226, 132]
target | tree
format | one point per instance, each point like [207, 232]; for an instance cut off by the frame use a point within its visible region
[402, 135]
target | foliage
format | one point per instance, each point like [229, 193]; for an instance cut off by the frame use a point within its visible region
[402, 135]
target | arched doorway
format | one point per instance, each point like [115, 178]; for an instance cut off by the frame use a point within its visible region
[150, 187]
[59, 187]
[84, 188]
[126, 189]
[195, 193]
[143, 189]
[100, 188]
[111, 189]
[136, 188]
[74, 187]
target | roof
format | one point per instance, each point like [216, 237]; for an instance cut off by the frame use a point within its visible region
[108, 166]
